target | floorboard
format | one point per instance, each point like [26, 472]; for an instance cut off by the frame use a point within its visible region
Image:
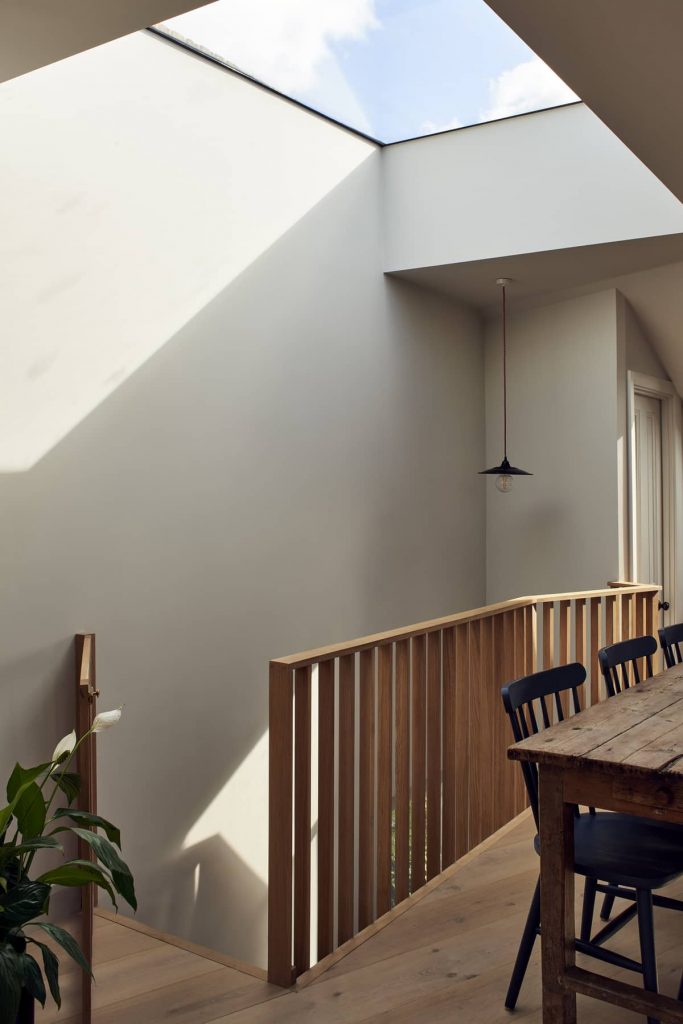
[446, 959]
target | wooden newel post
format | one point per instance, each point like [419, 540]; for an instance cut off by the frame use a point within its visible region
[280, 807]
[86, 766]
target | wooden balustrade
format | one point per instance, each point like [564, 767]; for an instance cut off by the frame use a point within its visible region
[403, 767]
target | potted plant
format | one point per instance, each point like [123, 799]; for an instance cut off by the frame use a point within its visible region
[38, 814]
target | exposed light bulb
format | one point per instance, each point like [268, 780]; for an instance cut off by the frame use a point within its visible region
[504, 482]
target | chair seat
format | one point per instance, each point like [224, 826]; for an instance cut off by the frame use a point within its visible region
[623, 849]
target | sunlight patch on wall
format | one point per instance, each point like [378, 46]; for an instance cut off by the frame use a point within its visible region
[239, 814]
[137, 183]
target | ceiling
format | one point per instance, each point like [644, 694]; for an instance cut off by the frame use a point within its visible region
[39, 32]
[647, 271]
[537, 273]
[623, 58]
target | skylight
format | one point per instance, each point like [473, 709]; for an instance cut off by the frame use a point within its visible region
[393, 69]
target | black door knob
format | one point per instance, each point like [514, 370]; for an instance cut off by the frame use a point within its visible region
[664, 606]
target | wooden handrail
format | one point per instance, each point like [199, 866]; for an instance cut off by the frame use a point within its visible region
[396, 743]
[319, 654]
[86, 766]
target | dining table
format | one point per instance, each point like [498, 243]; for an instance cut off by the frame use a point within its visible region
[622, 754]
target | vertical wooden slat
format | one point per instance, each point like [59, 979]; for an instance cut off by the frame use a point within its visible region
[461, 738]
[640, 614]
[402, 769]
[530, 639]
[280, 769]
[641, 602]
[418, 743]
[326, 731]
[345, 854]
[596, 644]
[384, 778]
[640, 629]
[651, 624]
[626, 606]
[508, 769]
[611, 624]
[564, 650]
[433, 754]
[449, 748]
[650, 614]
[497, 737]
[486, 738]
[519, 671]
[563, 647]
[86, 766]
[479, 767]
[548, 617]
[302, 820]
[366, 791]
[580, 630]
[548, 620]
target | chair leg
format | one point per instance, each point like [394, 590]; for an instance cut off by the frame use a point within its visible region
[589, 891]
[525, 947]
[647, 943]
[607, 905]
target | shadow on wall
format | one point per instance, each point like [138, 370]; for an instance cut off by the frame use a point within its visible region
[288, 470]
[204, 889]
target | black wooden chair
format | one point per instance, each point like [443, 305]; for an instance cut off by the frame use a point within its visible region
[619, 662]
[618, 854]
[670, 640]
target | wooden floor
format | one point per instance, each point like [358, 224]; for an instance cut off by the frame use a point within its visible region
[447, 959]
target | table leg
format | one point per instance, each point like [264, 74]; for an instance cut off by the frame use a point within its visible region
[557, 896]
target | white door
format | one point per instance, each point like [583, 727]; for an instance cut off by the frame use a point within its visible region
[649, 533]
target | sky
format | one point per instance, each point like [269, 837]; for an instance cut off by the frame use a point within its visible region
[393, 69]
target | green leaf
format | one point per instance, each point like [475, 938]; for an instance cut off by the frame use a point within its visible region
[67, 942]
[86, 818]
[33, 978]
[21, 777]
[30, 811]
[11, 979]
[107, 854]
[7, 812]
[78, 873]
[69, 783]
[35, 843]
[51, 967]
[22, 902]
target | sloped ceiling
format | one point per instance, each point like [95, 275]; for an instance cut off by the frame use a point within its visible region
[623, 58]
[34, 33]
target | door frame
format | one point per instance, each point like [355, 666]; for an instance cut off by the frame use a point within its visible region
[672, 483]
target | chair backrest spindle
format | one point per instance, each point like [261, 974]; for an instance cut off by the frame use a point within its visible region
[623, 656]
[519, 698]
[670, 639]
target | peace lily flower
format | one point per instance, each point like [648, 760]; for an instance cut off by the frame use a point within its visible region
[65, 746]
[106, 719]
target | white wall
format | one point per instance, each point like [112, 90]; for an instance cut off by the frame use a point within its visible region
[138, 182]
[557, 530]
[549, 180]
[292, 464]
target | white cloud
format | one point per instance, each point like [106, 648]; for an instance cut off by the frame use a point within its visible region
[283, 42]
[431, 127]
[528, 86]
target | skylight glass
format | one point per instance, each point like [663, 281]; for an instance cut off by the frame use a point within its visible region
[393, 69]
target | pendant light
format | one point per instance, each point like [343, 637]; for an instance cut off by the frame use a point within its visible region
[505, 472]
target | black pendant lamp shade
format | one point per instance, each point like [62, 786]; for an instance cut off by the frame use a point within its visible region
[504, 467]
[505, 472]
